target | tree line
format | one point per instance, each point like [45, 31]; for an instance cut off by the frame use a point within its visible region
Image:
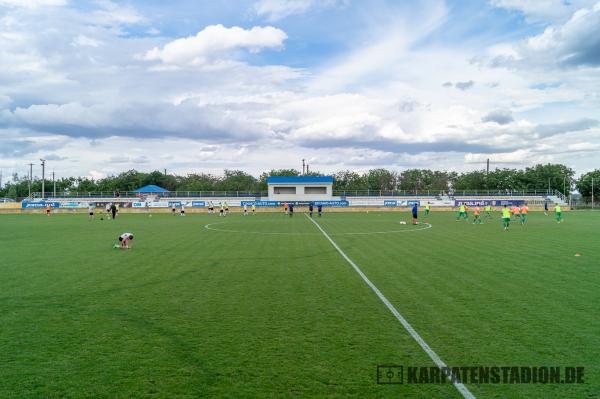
[541, 177]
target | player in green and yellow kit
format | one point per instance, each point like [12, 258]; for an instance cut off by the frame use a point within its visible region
[558, 213]
[506, 217]
[462, 212]
[427, 207]
[488, 211]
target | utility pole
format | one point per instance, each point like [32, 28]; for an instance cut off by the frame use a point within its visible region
[54, 185]
[592, 193]
[43, 178]
[549, 186]
[30, 178]
[306, 168]
[303, 167]
[487, 169]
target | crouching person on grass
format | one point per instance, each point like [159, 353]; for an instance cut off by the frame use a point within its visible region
[124, 241]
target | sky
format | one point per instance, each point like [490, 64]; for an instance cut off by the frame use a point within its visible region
[99, 87]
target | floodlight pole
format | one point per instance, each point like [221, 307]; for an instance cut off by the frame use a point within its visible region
[43, 178]
[30, 178]
[54, 185]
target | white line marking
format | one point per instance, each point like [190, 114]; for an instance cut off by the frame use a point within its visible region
[408, 230]
[436, 359]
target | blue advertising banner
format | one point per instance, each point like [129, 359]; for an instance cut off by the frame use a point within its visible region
[509, 202]
[296, 203]
[75, 204]
[401, 203]
[39, 204]
[489, 202]
[474, 202]
[199, 204]
[261, 203]
[331, 203]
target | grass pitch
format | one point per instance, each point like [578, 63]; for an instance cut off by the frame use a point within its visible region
[264, 306]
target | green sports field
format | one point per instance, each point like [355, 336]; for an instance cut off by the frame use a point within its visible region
[265, 306]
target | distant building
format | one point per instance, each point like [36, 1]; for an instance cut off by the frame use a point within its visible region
[300, 188]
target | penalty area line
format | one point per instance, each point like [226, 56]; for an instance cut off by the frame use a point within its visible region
[413, 333]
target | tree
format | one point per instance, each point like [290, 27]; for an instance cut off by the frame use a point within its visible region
[381, 179]
[584, 183]
[347, 180]
[554, 176]
[425, 180]
[262, 180]
[237, 180]
[474, 180]
[198, 182]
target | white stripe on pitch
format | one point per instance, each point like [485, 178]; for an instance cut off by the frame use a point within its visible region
[436, 359]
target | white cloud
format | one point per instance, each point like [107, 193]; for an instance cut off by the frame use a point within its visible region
[32, 3]
[274, 10]
[278, 9]
[215, 40]
[542, 10]
[572, 42]
[111, 13]
[576, 42]
[378, 102]
[84, 41]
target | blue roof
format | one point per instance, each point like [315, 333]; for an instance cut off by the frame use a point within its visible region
[151, 189]
[299, 179]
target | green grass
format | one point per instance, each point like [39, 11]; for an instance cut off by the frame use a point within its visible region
[193, 312]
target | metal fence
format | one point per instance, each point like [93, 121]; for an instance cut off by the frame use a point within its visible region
[336, 193]
[433, 193]
[170, 194]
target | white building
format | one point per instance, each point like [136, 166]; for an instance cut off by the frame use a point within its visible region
[300, 188]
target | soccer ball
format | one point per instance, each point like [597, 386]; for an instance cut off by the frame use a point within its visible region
[403, 222]
[149, 215]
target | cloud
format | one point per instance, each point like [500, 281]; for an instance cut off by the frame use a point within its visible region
[14, 145]
[111, 13]
[566, 127]
[408, 147]
[460, 85]
[84, 41]
[363, 96]
[577, 42]
[53, 157]
[274, 10]
[464, 85]
[32, 3]
[142, 120]
[499, 116]
[214, 41]
[119, 159]
[571, 43]
[542, 10]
